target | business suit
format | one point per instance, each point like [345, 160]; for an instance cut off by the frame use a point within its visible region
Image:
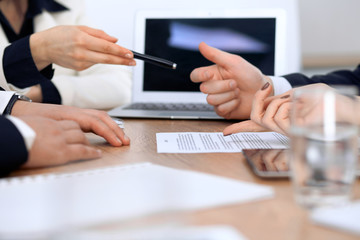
[13, 151]
[342, 77]
[100, 87]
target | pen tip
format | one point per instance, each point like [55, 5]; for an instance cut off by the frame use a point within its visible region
[174, 66]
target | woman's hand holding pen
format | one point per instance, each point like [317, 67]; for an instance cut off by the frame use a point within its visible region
[77, 47]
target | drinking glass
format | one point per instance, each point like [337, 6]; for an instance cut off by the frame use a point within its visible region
[324, 145]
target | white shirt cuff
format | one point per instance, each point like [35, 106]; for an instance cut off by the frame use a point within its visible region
[5, 97]
[27, 132]
[280, 85]
[22, 91]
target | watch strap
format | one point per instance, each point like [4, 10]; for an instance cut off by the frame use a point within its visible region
[10, 105]
[12, 101]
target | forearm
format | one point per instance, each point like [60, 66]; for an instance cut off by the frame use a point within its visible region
[38, 50]
[19, 68]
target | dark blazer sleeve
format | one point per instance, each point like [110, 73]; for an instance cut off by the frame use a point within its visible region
[13, 151]
[18, 56]
[342, 77]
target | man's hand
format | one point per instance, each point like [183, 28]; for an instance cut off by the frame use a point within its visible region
[77, 47]
[230, 84]
[89, 120]
[57, 142]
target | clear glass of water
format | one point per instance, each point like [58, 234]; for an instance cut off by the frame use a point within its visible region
[323, 144]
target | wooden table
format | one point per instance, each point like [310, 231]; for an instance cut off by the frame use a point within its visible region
[278, 218]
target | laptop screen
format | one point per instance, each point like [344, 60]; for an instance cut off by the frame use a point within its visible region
[177, 40]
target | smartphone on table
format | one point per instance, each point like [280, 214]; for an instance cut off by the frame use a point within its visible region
[273, 163]
[268, 163]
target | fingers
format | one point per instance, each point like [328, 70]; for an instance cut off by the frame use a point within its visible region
[269, 158]
[221, 98]
[203, 74]
[276, 116]
[256, 157]
[68, 124]
[216, 86]
[98, 41]
[244, 126]
[57, 142]
[226, 109]
[98, 33]
[266, 112]
[281, 162]
[258, 105]
[101, 124]
[282, 118]
[77, 146]
[272, 117]
[76, 152]
[115, 128]
[259, 163]
[98, 56]
[91, 120]
[100, 45]
[220, 58]
[215, 55]
[101, 129]
[72, 132]
[75, 137]
[103, 46]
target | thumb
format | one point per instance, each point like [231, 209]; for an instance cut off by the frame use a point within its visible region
[244, 126]
[215, 55]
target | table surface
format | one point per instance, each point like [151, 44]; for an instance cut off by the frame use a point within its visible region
[277, 218]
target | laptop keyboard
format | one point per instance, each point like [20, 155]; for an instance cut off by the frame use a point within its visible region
[171, 106]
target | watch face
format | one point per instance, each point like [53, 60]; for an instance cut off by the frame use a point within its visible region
[24, 98]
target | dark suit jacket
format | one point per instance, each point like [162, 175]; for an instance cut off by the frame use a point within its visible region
[343, 77]
[13, 151]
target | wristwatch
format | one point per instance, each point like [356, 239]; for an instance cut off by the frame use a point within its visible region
[12, 101]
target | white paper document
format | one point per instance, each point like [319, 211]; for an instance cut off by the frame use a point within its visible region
[210, 142]
[212, 232]
[345, 218]
[65, 201]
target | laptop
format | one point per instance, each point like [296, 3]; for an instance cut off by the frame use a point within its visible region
[258, 35]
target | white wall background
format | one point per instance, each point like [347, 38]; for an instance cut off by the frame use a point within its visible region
[330, 27]
[117, 18]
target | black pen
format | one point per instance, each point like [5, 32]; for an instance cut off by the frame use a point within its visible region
[155, 60]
